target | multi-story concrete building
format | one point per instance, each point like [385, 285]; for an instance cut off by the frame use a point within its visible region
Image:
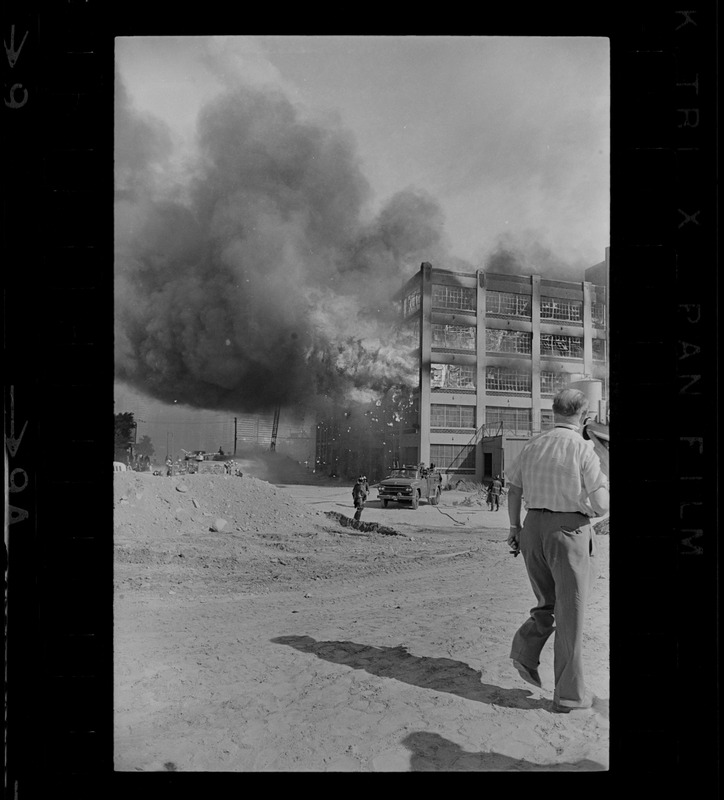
[493, 351]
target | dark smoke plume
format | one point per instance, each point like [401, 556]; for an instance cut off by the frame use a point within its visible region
[263, 280]
[523, 254]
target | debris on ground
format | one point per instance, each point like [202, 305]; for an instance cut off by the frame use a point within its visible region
[365, 527]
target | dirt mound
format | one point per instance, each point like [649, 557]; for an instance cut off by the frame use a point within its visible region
[150, 507]
[210, 535]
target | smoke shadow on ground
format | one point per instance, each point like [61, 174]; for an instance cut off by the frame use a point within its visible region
[438, 674]
[434, 753]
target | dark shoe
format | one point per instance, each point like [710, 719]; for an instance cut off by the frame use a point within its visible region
[527, 674]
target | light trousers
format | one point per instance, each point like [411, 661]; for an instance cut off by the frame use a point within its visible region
[557, 548]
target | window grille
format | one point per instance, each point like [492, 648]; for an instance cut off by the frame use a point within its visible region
[598, 314]
[444, 416]
[508, 304]
[551, 344]
[564, 310]
[452, 457]
[516, 420]
[411, 302]
[457, 297]
[502, 379]
[553, 382]
[502, 341]
[451, 376]
[457, 337]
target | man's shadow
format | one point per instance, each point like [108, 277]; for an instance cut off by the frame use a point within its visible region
[438, 674]
[434, 753]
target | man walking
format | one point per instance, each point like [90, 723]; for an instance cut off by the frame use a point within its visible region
[564, 480]
[496, 488]
[359, 494]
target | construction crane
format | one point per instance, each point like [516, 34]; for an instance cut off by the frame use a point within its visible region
[275, 429]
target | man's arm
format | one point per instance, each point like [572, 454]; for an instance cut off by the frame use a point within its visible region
[600, 500]
[515, 496]
[596, 475]
[600, 449]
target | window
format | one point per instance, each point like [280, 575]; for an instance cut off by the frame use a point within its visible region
[551, 344]
[507, 304]
[598, 314]
[599, 349]
[501, 341]
[456, 337]
[546, 419]
[443, 416]
[411, 302]
[564, 310]
[452, 457]
[456, 297]
[502, 379]
[516, 420]
[553, 382]
[450, 376]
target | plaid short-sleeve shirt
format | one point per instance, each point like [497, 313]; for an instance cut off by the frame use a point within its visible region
[558, 470]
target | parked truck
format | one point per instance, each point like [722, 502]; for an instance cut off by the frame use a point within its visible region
[410, 484]
[200, 461]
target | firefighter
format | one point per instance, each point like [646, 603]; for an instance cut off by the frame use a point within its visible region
[359, 494]
[495, 490]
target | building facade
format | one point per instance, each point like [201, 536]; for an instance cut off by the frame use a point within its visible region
[493, 351]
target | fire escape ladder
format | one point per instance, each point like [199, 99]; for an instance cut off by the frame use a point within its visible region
[485, 431]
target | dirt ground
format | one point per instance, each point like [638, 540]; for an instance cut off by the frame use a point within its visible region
[283, 641]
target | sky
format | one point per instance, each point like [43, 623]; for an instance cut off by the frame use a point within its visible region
[339, 164]
[509, 134]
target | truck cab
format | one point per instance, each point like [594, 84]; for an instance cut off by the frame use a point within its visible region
[409, 484]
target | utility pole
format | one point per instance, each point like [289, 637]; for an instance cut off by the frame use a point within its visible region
[234, 435]
[275, 429]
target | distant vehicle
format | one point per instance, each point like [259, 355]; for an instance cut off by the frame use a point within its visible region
[119, 466]
[197, 461]
[410, 484]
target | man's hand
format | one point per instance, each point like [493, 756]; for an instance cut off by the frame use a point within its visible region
[514, 538]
